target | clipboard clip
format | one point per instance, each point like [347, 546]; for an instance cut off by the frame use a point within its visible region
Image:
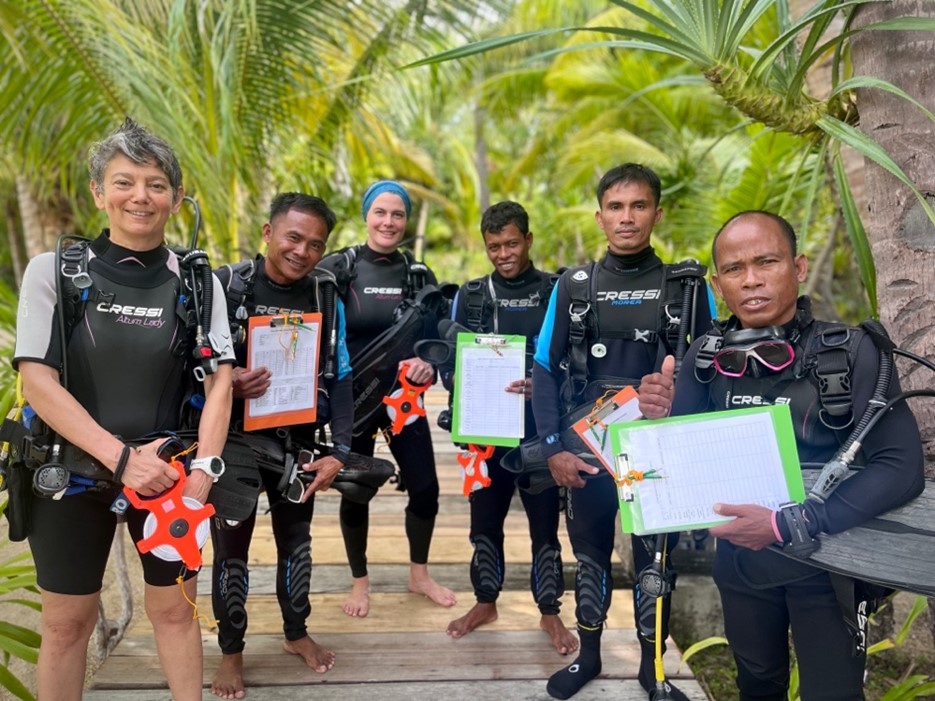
[295, 320]
[601, 411]
[491, 341]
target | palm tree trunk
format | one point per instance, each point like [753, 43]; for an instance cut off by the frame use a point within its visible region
[901, 236]
[33, 233]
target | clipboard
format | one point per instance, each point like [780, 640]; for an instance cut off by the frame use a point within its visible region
[484, 413]
[287, 344]
[593, 428]
[690, 463]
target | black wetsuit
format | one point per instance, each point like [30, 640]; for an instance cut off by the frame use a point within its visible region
[512, 306]
[290, 521]
[763, 592]
[376, 289]
[629, 295]
[126, 363]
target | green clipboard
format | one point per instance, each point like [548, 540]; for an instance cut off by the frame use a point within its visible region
[482, 411]
[690, 463]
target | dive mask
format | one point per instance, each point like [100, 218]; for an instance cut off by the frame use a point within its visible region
[768, 346]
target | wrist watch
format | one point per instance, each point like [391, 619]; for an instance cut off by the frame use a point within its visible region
[213, 466]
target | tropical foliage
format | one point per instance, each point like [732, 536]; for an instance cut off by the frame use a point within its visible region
[757, 58]
[17, 581]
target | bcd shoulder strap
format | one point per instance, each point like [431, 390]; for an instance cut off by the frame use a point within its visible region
[830, 354]
[74, 281]
[477, 301]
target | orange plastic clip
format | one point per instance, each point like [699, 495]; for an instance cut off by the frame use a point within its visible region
[473, 462]
[405, 404]
[176, 522]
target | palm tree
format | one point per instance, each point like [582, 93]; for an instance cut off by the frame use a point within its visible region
[901, 238]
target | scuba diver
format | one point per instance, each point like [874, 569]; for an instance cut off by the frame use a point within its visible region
[609, 323]
[379, 283]
[131, 365]
[772, 351]
[281, 283]
[511, 300]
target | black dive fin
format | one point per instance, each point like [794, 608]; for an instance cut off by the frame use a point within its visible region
[235, 494]
[895, 549]
[532, 469]
[376, 367]
[358, 480]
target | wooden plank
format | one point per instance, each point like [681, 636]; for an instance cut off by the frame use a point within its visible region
[387, 540]
[400, 651]
[392, 613]
[392, 657]
[475, 690]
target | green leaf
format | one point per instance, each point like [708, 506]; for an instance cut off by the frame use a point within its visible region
[702, 645]
[776, 47]
[11, 683]
[485, 45]
[855, 230]
[17, 648]
[869, 148]
[918, 606]
[865, 81]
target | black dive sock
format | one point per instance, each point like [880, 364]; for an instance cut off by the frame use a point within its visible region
[647, 675]
[568, 681]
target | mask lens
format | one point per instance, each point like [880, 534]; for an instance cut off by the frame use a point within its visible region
[731, 362]
[775, 355]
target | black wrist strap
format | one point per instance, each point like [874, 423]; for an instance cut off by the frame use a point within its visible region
[801, 544]
[122, 464]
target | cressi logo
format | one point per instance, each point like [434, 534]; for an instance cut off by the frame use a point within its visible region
[264, 309]
[383, 290]
[626, 295]
[755, 400]
[129, 310]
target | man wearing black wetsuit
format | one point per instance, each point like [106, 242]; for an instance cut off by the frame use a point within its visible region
[763, 592]
[281, 282]
[623, 341]
[511, 300]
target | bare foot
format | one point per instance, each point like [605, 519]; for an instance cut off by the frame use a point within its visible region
[479, 615]
[228, 679]
[315, 656]
[563, 639]
[357, 603]
[421, 583]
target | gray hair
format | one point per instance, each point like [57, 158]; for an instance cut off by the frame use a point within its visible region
[140, 146]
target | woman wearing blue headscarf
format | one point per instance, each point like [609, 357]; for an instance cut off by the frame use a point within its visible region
[380, 280]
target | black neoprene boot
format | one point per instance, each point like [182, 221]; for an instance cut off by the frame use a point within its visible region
[568, 681]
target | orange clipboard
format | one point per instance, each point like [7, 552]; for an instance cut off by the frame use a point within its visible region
[623, 406]
[289, 345]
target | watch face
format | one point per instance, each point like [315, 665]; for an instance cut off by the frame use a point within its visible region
[216, 465]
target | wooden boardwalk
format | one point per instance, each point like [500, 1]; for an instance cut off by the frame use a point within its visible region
[400, 651]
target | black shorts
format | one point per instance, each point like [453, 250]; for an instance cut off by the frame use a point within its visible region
[70, 539]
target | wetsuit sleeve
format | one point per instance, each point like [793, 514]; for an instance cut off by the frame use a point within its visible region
[220, 325]
[431, 279]
[892, 452]
[37, 337]
[691, 395]
[547, 374]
